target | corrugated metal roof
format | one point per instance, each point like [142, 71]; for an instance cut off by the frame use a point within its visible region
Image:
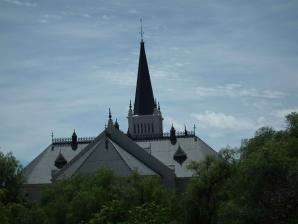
[194, 147]
[39, 171]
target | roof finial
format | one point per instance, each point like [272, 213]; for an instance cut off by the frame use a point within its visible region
[110, 115]
[141, 32]
[52, 135]
[194, 129]
[130, 104]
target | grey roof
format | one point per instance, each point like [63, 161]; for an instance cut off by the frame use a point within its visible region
[150, 157]
[195, 149]
[114, 150]
[39, 171]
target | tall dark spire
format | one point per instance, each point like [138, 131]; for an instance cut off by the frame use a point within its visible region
[144, 99]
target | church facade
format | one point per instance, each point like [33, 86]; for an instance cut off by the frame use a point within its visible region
[144, 147]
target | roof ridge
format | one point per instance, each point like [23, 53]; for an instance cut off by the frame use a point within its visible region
[82, 152]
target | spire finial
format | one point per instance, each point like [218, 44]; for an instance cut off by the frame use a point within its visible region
[194, 129]
[52, 135]
[110, 115]
[158, 106]
[130, 104]
[141, 32]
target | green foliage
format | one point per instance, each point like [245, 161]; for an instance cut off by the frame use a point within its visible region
[11, 179]
[205, 192]
[257, 183]
[104, 198]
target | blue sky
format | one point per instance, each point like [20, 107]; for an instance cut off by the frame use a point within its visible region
[229, 67]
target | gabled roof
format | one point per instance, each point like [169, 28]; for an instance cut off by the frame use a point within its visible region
[144, 99]
[39, 170]
[114, 150]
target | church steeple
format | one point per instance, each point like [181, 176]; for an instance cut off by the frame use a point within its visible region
[145, 121]
[144, 99]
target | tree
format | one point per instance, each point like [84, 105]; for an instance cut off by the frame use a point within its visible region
[104, 198]
[205, 192]
[264, 187]
[11, 179]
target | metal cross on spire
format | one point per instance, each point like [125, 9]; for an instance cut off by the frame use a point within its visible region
[141, 32]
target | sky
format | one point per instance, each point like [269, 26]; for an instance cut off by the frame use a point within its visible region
[229, 67]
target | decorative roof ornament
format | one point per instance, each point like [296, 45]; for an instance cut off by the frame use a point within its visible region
[185, 131]
[116, 125]
[110, 115]
[52, 135]
[173, 137]
[141, 32]
[180, 156]
[60, 161]
[158, 106]
[194, 129]
[110, 122]
[74, 140]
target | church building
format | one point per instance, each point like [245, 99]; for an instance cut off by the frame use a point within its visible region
[145, 147]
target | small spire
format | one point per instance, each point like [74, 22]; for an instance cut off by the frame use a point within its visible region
[74, 140]
[116, 125]
[158, 106]
[52, 135]
[130, 104]
[110, 115]
[173, 137]
[141, 32]
[194, 129]
[154, 103]
[110, 122]
[185, 131]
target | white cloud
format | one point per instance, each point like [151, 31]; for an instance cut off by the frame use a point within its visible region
[223, 121]
[21, 3]
[282, 113]
[237, 90]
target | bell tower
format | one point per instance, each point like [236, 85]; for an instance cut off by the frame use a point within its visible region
[145, 120]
